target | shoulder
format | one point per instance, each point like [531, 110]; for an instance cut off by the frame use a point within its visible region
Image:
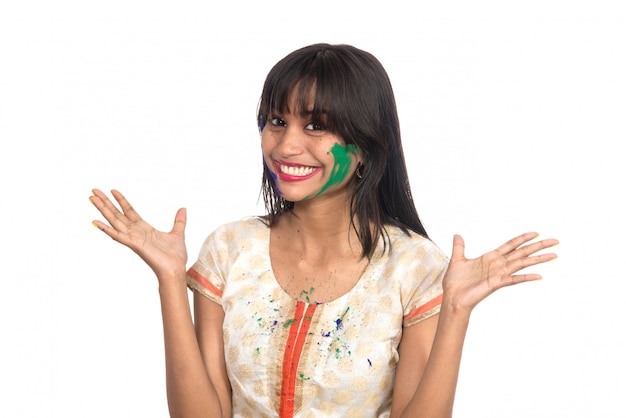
[246, 227]
[410, 258]
[410, 246]
[415, 266]
[237, 234]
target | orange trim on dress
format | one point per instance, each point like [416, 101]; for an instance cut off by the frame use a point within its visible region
[204, 282]
[298, 331]
[424, 308]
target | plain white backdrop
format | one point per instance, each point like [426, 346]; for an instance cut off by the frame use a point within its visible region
[512, 117]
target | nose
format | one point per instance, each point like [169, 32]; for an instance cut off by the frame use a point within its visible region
[289, 141]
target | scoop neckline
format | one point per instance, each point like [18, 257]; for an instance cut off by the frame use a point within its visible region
[365, 273]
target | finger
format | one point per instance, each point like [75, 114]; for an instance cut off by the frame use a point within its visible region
[521, 263]
[458, 248]
[111, 232]
[105, 202]
[520, 278]
[180, 220]
[99, 199]
[110, 212]
[514, 243]
[530, 249]
[126, 207]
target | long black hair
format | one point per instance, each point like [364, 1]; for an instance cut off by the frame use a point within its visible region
[353, 90]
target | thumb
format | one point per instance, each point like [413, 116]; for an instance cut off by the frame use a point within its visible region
[458, 248]
[180, 220]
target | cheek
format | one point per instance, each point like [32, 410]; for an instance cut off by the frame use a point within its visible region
[342, 157]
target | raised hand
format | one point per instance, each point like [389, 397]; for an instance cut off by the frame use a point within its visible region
[164, 252]
[468, 281]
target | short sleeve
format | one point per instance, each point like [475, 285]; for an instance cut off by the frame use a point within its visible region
[207, 275]
[423, 289]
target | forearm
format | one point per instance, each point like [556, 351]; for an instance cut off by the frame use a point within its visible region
[190, 392]
[434, 396]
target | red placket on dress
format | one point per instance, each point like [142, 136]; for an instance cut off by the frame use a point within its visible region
[298, 332]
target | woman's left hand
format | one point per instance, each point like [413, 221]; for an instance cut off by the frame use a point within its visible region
[468, 281]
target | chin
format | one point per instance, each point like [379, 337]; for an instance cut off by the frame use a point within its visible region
[297, 194]
[295, 198]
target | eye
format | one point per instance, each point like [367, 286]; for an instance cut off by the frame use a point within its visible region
[276, 121]
[315, 126]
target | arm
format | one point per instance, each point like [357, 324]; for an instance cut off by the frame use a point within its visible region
[190, 390]
[209, 317]
[428, 369]
[426, 380]
[414, 351]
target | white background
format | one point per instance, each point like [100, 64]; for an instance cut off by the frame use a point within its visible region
[513, 120]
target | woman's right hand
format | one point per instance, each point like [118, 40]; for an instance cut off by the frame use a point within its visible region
[164, 252]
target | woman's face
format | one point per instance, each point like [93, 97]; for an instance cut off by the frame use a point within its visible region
[304, 158]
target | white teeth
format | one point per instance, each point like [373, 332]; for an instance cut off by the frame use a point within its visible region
[297, 171]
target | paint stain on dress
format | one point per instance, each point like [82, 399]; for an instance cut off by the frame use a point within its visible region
[339, 321]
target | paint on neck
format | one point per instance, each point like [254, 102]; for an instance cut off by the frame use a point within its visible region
[341, 168]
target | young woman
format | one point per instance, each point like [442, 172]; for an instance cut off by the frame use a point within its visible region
[335, 303]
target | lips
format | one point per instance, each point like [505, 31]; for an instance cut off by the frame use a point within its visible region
[294, 172]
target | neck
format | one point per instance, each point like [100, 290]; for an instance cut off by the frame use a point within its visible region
[323, 226]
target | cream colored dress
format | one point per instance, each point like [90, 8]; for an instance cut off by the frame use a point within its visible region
[299, 358]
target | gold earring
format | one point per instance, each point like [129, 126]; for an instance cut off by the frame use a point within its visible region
[358, 172]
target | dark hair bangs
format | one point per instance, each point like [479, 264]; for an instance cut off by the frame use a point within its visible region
[308, 85]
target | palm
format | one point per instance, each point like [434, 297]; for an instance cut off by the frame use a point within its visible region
[468, 281]
[162, 251]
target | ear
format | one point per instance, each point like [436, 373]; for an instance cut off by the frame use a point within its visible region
[359, 158]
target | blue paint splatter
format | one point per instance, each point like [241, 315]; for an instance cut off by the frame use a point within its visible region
[339, 321]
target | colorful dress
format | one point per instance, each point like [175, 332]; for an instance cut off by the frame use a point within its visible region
[300, 358]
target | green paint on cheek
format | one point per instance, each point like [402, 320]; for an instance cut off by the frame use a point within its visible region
[340, 170]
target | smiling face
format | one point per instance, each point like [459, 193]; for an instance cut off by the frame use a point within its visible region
[304, 158]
